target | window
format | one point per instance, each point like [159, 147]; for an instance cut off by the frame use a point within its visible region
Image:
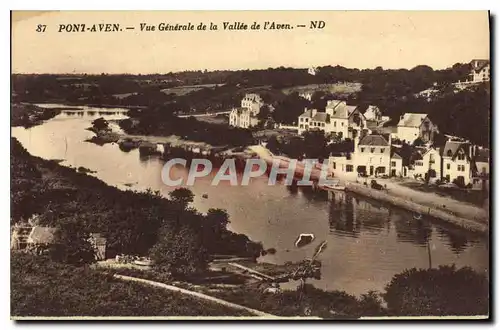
[382, 150]
[461, 156]
[334, 165]
[322, 124]
[419, 163]
[448, 166]
[342, 124]
[348, 168]
[335, 124]
[307, 120]
[393, 164]
[372, 150]
[461, 168]
[362, 149]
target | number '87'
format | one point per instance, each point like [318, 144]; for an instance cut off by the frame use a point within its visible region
[41, 28]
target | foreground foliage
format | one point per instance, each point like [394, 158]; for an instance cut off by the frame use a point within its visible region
[442, 291]
[40, 287]
[132, 222]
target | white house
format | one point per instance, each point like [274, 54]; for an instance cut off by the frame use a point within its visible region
[428, 163]
[345, 120]
[312, 71]
[371, 156]
[253, 102]
[306, 95]
[246, 115]
[416, 125]
[242, 117]
[480, 70]
[313, 119]
[373, 113]
[396, 164]
[457, 161]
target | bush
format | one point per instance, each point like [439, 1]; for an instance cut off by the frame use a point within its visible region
[438, 291]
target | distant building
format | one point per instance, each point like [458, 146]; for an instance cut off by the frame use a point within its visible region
[427, 163]
[313, 119]
[242, 117]
[482, 159]
[396, 164]
[480, 70]
[371, 157]
[373, 113]
[312, 71]
[346, 120]
[458, 161]
[416, 125]
[306, 95]
[246, 115]
[339, 118]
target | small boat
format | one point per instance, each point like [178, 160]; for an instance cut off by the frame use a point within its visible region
[334, 187]
[204, 195]
[143, 262]
[304, 239]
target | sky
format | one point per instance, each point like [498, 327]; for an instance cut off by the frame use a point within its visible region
[354, 39]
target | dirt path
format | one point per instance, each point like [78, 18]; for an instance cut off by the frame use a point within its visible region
[195, 294]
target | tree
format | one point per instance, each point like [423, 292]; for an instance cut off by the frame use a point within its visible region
[72, 243]
[182, 197]
[264, 113]
[100, 124]
[180, 253]
[315, 144]
[438, 291]
[217, 219]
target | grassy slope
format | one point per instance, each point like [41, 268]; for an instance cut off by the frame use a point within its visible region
[40, 287]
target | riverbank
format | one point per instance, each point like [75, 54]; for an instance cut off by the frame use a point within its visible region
[463, 215]
[29, 115]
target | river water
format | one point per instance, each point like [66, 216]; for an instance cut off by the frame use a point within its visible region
[368, 242]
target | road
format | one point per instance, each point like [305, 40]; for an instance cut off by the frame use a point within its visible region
[210, 114]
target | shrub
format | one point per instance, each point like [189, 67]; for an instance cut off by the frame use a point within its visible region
[438, 291]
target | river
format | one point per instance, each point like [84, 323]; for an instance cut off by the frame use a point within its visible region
[368, 242]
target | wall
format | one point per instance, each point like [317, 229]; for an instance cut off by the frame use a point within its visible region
[476, 225]
[408, 134]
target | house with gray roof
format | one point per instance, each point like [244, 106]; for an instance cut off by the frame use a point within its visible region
[412, 126]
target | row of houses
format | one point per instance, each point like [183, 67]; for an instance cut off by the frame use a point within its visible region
[344, 120]
[347, 121]
[375, 155]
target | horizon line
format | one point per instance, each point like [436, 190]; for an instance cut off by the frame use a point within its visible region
[240, 69]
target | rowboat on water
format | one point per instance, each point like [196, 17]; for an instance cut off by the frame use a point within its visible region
[333, 187]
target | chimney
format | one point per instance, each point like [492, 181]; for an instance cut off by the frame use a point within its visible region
[305, 109]
[314, 111]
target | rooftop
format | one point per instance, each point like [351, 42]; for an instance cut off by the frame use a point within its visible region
[412, 119]
[478, 65]
[318, 116]
[374, 140]
[340, 109]
[451, 148]
[42, 235]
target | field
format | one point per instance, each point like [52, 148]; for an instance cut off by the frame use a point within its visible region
[183, 90]
[337, 88]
